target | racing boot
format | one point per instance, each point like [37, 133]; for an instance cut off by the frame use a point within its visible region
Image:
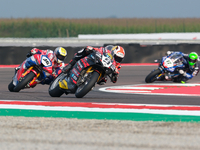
[183, 80]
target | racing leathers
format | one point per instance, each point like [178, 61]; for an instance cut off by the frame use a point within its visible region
[53, 71]
[190, 71]
[86, 51]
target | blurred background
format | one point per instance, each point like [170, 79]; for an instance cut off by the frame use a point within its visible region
[68, 19]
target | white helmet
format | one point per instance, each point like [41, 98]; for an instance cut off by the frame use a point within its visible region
[118, 53]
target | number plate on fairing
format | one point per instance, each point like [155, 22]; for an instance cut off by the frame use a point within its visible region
[106, 61]
[168, 63]
[45, 61]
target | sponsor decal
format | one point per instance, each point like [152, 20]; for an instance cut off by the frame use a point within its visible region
[74, 77]
[92, 56]
[75, 72]
[63, 52]
[79, 63]
[120, 54]
[98, 54]
[84, 61]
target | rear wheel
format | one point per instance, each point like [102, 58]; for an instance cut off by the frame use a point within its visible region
[152, 76]
[87, 85]
[21, 85]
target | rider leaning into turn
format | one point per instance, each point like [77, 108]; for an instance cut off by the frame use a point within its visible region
[191, 65]
[56, 57]
[116, 51]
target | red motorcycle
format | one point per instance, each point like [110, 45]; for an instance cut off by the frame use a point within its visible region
[39, 67]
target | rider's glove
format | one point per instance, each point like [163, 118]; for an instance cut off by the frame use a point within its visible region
[119, 67]
[28, 54]
[88, 48]
[32, 52]
[114, 77]
[169, 52]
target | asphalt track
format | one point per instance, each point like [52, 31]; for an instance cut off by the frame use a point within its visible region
[129, 75]
[62, 133]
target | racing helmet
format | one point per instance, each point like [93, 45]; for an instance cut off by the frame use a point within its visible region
[193, 57]
[60, 54]
[118, 53]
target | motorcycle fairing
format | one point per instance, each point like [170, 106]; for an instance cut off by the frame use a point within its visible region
[169, 65]
[45, 61]
[78, 67]
[29, 63]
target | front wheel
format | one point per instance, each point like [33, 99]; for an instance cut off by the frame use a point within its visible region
[84, 88]
[152, 76]
[29, 77]
[11, 87]
[54, 89]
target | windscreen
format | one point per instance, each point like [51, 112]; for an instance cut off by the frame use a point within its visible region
[177, 58]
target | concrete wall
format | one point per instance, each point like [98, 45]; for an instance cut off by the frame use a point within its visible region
[135, 53]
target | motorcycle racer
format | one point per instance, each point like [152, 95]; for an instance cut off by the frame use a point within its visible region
[116, 51]
[191, 65]
[56, 57]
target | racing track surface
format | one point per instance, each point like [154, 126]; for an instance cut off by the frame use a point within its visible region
[128, 75]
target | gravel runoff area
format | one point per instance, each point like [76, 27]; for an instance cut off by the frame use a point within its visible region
[18, 133]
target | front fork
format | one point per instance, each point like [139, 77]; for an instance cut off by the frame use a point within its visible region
[84, 75]
[163, 73]
[33, 82]
[90, 69]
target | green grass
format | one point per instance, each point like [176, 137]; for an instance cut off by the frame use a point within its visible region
[47, 27]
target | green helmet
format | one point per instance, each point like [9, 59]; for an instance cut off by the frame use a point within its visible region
[193, 57]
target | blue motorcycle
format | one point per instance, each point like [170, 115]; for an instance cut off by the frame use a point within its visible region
[168, 69]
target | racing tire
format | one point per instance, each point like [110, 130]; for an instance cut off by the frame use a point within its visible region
[87, 86]
[54, 89]
[56, 92]
[152, 76]
[11, 87]
[21, 85]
